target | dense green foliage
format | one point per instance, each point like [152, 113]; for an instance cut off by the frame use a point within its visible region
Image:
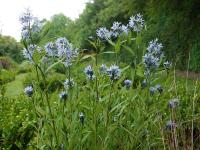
[55, 27]
[17, 123]
[10, 47]
[7, 70]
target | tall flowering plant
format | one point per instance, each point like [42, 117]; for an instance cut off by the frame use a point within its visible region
[100, 105]
[44, 58]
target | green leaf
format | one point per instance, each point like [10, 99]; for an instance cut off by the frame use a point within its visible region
[111, 43]
[117, 106]
[129, 50]
[124, 69]
[118, 46]
[36, 57]
[93, 44]
[50, 67]
[87, 57]
[138, 40]
[108, 52]
[139, 72]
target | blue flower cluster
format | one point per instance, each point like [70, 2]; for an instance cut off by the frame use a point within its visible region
[68, 83]
[104, 33]
[127, 83]
[63, 96]
[103, 69]
[114, 72]
[63, 49]
[136, 23]
[28, 91]
[153, 56]
[89, 72]
[29, 24]
[50, 49]
[173, 103]
[60, 48]
[158, 88]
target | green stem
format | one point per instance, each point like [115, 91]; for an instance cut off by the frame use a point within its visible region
[109, 103]
[81, 144]
[40, 91]
[49, 107]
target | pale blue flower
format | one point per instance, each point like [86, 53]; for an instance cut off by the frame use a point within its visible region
[66, 51]
[127, 83]
[167, 65]
[153, 56]
[116, 26]
[103, 69]
[114, 72]
[136, 23]
[63, 96]
[116, 29]
[159, 88]
[150, 61]
[50, 49]
[81, 117]
[29, 24]
[89, 72]
[62, 43]
[104, 33]
[173, 103]
[28, 91]
[26, 17]
[124, 29]
[152, 90]
[69, 56]
[25, 34]
[69, 83]
[155, 47]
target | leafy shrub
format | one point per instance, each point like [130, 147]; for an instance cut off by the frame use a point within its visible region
[24, 67]
[54, 81]
[11, 48]
[7, 63]
[6, 76]
[17, 123]
[60, 68]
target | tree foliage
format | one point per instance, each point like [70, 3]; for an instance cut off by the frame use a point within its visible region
[10, 47]
[55, 27]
